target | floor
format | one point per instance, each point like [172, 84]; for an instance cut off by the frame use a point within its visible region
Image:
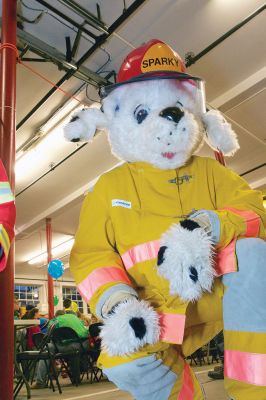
[107, 391]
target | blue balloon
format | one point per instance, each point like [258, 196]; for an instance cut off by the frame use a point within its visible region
[56, 268]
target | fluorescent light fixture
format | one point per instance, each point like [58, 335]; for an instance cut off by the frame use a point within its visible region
[48, 145]
[44, 151]
[56, 251]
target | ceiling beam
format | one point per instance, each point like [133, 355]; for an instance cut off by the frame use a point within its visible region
[237, 90]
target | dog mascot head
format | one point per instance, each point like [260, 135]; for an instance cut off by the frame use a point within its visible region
[155, 113]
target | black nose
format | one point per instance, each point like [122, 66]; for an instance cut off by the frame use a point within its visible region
[172, 114]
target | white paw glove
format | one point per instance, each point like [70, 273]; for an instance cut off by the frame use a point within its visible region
[129, 326]
[219, 133]
[185, 258]
[83, 125]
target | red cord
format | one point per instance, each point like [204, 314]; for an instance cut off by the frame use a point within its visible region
[67, 94]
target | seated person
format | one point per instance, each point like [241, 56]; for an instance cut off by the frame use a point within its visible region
[84, 318]
[16, 308]
[69, 320]
[61, 320]
[32, 314]
[43, 321]
[94, 338]
[70, 307]
[29, 307]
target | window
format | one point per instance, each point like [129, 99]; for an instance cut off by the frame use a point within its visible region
[27, 295]
[73, 294]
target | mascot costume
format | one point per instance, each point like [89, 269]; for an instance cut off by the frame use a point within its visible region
[170, 248]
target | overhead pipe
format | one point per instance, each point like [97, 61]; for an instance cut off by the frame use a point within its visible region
[98, 42]
[66, 18]
[253, 169]
[7, 154]
[89, 18]
[192, 59]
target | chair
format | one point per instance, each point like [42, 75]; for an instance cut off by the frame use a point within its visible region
[21, 341]
[66, 336]
[67, 355]
[198, 356]
[29, 359]
[38, 339]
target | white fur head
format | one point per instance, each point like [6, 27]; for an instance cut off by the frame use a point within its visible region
[157, 121]
[152, 121]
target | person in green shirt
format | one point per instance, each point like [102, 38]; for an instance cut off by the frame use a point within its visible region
[66, 320]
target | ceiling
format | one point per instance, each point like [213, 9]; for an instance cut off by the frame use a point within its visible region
[234, 71]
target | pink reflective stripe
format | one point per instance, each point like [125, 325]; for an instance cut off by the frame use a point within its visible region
[187, 389]
[172, 327]
[100, 277]
[142, 252]
[245, 367]
[251, 218]
[226, 259]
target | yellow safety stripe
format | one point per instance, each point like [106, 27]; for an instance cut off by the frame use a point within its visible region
[243, 390]
[4, 239]
[235, 340]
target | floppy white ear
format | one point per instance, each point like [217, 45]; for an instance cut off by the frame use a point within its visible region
[219, 133]
[83, 125]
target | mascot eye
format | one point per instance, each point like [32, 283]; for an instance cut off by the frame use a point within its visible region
[141, 113]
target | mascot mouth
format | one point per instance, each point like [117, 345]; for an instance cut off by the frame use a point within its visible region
[168, 155]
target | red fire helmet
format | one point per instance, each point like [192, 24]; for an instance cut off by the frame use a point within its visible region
[152, 60]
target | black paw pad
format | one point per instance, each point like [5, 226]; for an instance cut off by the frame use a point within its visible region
[160, 258]
[73, 119]
[75, 140]
[189, 224]
[193, 274]
[138, 326]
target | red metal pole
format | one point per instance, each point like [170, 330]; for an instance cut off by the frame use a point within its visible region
[7, 154]
[49, 258]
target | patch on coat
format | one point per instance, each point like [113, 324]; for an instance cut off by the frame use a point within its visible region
[121, 203]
